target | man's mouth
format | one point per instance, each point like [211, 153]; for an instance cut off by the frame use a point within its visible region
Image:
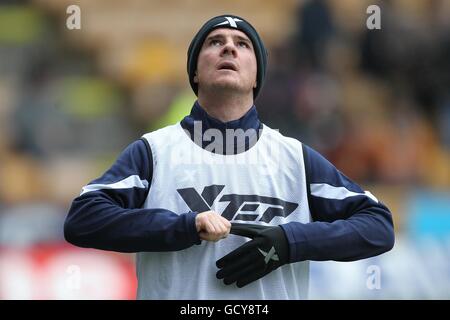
[227, 66]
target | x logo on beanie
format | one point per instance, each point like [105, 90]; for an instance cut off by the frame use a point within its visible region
[231, 21]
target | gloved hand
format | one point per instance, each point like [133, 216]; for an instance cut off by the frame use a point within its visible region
[267, 251]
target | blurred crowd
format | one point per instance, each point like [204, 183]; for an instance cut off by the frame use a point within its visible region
[376, 103]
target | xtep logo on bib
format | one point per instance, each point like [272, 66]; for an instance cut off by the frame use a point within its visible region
[240, 207]
[229, 20]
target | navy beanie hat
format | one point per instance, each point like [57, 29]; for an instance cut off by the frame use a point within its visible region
[231, 22]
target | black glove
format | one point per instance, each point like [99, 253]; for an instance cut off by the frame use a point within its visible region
[267, 251]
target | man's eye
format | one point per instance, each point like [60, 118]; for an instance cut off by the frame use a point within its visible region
[243, 44]
[215, 42]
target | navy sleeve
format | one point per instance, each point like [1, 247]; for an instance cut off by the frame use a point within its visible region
[108, 214]
[348, 223]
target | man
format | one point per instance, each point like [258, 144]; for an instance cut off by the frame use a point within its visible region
[171, 195]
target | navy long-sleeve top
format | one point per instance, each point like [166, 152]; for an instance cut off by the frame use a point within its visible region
[347, 223]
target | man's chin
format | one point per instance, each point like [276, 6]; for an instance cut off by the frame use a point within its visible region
[230, 84]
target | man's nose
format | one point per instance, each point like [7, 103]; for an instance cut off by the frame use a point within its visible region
[229, 48]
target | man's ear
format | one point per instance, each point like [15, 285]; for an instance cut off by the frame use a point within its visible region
[255, 85]
[195, 77]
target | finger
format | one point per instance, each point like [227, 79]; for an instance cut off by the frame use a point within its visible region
[237, 267]
[250, 277]
[209, 227]
[201, 220]
[236, 253]
[204, 236]
[227, 232]
[209, 237]
[226, 222]
[218, 228]
[222, 226]
[241, 273]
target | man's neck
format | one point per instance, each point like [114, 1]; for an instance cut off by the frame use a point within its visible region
[225, 107]
[199, 122]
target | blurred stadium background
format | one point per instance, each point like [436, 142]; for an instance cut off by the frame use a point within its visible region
[376, 103]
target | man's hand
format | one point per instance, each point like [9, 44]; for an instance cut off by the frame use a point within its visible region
[267, 251]
[211, 226]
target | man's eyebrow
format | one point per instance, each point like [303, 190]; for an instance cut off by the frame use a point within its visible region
[243, 38]
[216, 36]
[221, 36]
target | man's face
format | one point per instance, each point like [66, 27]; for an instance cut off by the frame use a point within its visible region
[227, 60]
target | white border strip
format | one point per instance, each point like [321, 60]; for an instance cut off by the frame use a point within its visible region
[327, 191]
[127, 183]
